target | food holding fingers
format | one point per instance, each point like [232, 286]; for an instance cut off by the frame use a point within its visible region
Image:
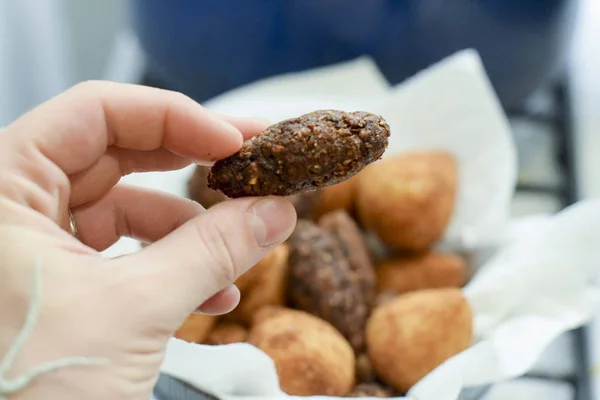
[312, 151]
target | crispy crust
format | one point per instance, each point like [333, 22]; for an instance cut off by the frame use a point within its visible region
[413, 334]
[315, 150]
[355, 250]
[322, 282]
[311, 356]
[407, 200]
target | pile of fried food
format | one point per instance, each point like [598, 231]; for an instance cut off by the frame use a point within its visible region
[356, 303]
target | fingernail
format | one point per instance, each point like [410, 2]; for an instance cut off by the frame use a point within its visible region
[272, 220]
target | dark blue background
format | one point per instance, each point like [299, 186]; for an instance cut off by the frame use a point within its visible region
[205, 47]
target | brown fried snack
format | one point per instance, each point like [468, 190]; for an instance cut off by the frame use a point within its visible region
[412, 335]
[311, 356]
[355, 249]
[296, 155]
[263, 285]
[200, 192]
[226, 333]
[371, 390]
[408, 200]
[364, 369]
[322, 282]
[195, 328]
[426, 271]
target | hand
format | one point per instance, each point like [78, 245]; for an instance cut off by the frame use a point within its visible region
[70, 153]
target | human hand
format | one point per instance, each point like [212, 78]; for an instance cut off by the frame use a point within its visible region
[70, 153]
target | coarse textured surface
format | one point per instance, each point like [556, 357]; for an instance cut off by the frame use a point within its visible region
[310, 355]
[413, 334]
[426, 271]
[371, 390]
[195, 328]
[226, 333]
[322, 282]
[315, 150]
[407, 200]
[200, 192]
[262, 285]
[355, 249]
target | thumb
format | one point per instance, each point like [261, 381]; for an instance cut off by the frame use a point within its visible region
[212, 250]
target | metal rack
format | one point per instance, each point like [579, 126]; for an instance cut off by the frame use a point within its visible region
[560, 117]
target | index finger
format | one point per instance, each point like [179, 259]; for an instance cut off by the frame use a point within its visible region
[74, 129]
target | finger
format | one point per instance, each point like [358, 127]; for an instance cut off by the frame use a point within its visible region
[248, 127]
[222, 302]
[93, 182]
[75, 128]
[72, 131]
[134, 212]
[210, 251]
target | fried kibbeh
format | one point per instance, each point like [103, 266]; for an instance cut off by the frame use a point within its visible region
[322, 282]
[195, 328]
[413, 334]
[371, 390]
[262, 285]
[425, 271]
[408, 199]
[199, 191]
[312, 151]
[354, 248]
[311, 357]
[226, 333]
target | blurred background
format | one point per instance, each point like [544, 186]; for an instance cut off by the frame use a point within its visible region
[542, 56]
